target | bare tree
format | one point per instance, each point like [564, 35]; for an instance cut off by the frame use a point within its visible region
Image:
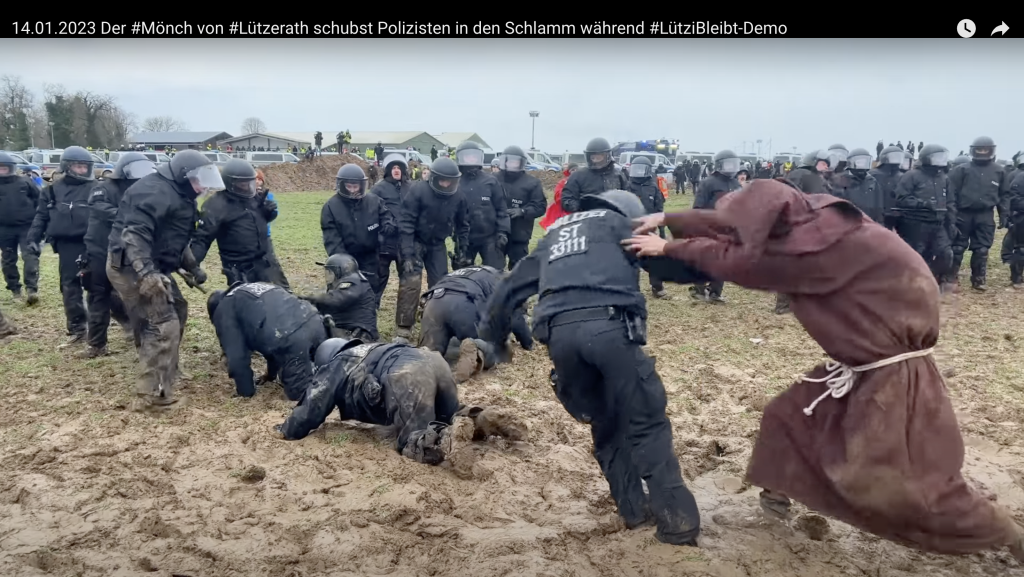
[163, 124]
[253, 125]
[122, 124]
[16, 103]
[93, 106]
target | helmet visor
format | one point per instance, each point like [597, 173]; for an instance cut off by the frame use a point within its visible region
[940, 158]
[351, 188]
[6, 169]
[138, 169]
[728, 166]
[243, 188]
[469, 157]
[446, 185]
[639, 170]
[205, 179]
[78, 169]
[893, 158]
[905, 162]
[511, 163]
[983, 152]
[859, 162]
[329, 276]
[598, 160]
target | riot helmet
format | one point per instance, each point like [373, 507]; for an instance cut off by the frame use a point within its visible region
[8, 168]
[469, 154]
[337, 267]
[745, 171]
[512, 159]
[962, 159]
[395, 160]
[640, 168]
[77, 164]
[192, 167]
[330, 349]
[495, 164]
[599, 154]
[905, 163]
[621, 201]
[837, 155]
[727, 163]
[1019, 160]
[132, 166]
[934, 155]
[890, 155]
[809, 160]
[823, 156]
[239, 178]
[1003, 162]
[983, 150]
[444, 176]
[350, 181]
[859, 160]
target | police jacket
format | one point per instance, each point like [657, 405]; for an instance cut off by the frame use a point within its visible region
[353, 226]
[391, 191]
[864, 192]
[63, 211]
[694, 173]
[103, 203]
[19, 200]
[429, 218]
[351, 304]
[921, 194]
[887, 179]
[260, 317]
[476, 283]
[649, 193]
[525, 192]
[154, 225]
[239, 225]
[589, 181]
[485, 201]
[807, 180]
[579, 264]
[977, 186]
[713, 188]
[1016, 193]
[679, 173]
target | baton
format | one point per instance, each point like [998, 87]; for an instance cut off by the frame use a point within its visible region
[190, 280]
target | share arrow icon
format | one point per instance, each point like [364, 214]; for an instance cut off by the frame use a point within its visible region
[1001, 29]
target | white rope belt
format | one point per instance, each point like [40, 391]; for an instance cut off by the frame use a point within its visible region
[841, 378]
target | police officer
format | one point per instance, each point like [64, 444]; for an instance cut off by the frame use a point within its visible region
[63, 216]
[390, 189]
[104, 302]
[907, 161]
[694, 175]
[592, 317]
[488, 210]
[856, 185]
[642, 184]
[679, 176]
[1012, 250]
[977, 187]
[19, 199]
[148, 242]
[837, 158]
[495, 166]
[349, 302]
[720, 182]
[265, 318]
[526, 202]
[809, 177]
[888, 174]
[452, 309]
[431, 212]
[353, 222]
[600, 174]
[927, 212]
[237, 220]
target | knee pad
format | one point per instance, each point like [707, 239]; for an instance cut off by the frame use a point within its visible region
[981, 252]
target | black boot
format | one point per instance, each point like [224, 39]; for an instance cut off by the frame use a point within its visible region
[1017, 275]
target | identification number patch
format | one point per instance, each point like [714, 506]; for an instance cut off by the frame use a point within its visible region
[570, 243]
[465, 271]
[255, 288]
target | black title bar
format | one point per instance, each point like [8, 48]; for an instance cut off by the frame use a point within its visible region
[269, 26]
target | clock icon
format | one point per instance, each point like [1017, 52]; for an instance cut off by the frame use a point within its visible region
[966, 28]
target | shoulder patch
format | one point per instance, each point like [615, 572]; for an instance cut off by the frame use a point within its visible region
[345, 285]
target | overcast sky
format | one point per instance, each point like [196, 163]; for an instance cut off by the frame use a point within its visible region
[709, 94]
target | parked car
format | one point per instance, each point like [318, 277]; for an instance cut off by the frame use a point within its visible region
[218, 158]
[410, 155]
[48, 161]
[101, 168]
[266, 158]
[24, 165]
[543, 160]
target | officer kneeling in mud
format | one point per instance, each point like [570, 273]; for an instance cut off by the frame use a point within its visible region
[452, 309]
[407, 389]
[592, 316]
[350, 303]
[269, 320]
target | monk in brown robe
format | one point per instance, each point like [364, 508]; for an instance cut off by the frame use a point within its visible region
[869, 438]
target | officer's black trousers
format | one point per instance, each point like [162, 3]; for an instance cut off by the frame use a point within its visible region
[488, 252]
[293, 361]
[104, 303]
[434, 259]
[71, 289]
[1012, 250]
[931, 240]
[516, 251]
[977, 231]
[455, 315]
[384, 273]
[12, 239]
[276, 270]
[607, 381]
[369, 265]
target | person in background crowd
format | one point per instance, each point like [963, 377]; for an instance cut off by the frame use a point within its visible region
[19, 199]
[267, 199]
[555, 210]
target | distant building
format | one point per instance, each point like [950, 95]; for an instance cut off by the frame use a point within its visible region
[179, 140]
[272, 140]
[454, 139]
[362, 140]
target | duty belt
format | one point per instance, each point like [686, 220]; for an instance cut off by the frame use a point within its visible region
[589, 314]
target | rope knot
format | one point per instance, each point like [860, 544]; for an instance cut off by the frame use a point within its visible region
[841, 377]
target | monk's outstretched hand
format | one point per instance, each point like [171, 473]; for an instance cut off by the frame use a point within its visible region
[649, 223]
[645, 244]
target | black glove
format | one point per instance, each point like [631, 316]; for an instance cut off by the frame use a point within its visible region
[33, 247]
[408, 267]
[269, 206]
[1004, 222]
[389, 230]
[502, 241]
[199, 275]
[515, 212]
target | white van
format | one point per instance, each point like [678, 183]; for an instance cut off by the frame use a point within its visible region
[267, 158]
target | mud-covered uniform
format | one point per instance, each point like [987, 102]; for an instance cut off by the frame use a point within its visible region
[19, 200]
[351, 305]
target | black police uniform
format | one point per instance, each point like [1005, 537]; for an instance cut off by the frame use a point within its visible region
[927, 214]
[808, 180]
[587, 180]
[353, 226]
[239, 225]
[706, 196]
[888, 176]
[592, 317]
[693, 175]
[863, 191]
[455, 305]
[19, 200]
[269, 320]
[646, 189]
[523, 192]
[394, 385]
[977, 188]
[104, 302]
[352, 306]
[679, 176]
[428, 219]
[390, 191]
[488, 216]
[63, 217]
[1012, 250]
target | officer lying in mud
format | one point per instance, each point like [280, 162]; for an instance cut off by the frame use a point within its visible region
[409, 390]
[451, 310]
[350, 304]
[269, 320]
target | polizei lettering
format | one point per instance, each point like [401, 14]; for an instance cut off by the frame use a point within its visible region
[577, 216]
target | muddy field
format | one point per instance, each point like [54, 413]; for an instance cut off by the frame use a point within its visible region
[88, 488]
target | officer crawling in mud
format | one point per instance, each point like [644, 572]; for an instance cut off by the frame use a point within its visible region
[452, 309]
[408, 390]
[269, 320]
[349, 306]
